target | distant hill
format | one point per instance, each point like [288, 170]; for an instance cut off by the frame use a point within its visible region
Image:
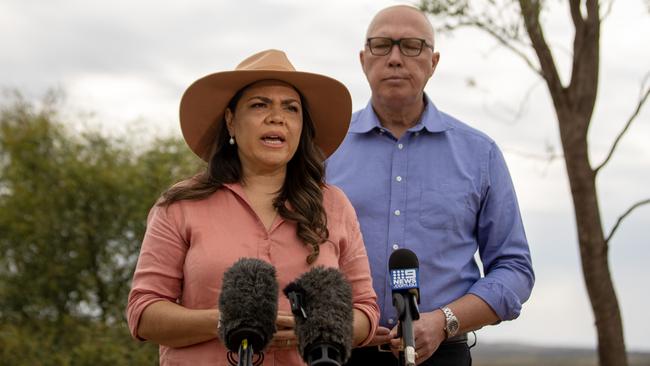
[511, 354]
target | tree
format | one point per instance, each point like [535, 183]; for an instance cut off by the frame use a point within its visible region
[73, 210]
[517, 26]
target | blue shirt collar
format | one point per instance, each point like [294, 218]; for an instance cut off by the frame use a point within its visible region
[431, 120]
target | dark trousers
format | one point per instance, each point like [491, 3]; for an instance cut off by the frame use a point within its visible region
[448, 354]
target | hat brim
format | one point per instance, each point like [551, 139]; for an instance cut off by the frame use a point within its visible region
[204, 103]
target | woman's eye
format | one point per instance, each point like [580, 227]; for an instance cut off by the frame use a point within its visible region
[293, 108]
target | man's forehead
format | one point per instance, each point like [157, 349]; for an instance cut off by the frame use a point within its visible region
[405, 20]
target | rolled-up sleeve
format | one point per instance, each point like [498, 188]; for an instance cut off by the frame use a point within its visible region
[354, 264]
[503, 248]
[159, 272]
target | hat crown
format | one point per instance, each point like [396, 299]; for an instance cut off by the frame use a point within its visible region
[267, 60]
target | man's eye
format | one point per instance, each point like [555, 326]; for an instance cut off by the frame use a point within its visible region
[258, 105]
[412, 45]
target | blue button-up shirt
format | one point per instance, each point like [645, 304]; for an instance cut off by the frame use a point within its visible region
[442, 190]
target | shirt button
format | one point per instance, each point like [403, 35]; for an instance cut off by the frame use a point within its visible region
[395, 246]
[417, 133]
[400, 146]
[391, 321]
[397, 212]
[398, 178]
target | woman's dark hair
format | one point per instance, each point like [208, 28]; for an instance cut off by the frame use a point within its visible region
[302, 189]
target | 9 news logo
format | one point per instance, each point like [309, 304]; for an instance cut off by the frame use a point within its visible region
[404, 279]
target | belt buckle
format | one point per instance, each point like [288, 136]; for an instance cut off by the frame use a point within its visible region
[384, 347]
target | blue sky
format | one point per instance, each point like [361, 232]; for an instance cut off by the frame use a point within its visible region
[125, 64]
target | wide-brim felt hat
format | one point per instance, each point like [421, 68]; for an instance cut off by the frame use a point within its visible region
[204, 102]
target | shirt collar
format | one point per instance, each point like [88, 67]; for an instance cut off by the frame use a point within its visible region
[431, 119]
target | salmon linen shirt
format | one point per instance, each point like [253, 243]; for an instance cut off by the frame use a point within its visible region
[188, 246]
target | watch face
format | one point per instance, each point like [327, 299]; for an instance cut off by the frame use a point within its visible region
[453, 326]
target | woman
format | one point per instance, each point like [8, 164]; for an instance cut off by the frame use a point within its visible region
[261, 128]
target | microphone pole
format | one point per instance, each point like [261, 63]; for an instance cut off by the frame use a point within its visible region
[407, 310]
[245, 354]
[404, 269]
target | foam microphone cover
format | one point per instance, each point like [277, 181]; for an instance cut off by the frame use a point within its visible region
[248, 304]
[402, 259]
[327, 299]
[405, 259]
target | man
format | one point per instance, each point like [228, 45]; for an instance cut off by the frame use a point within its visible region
[422, 180]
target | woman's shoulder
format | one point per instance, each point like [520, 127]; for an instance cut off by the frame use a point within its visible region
[335, 199]
[332, 192]
[181, 202]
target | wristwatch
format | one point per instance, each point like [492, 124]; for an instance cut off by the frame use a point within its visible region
[452, 326]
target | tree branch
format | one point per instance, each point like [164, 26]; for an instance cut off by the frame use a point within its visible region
[620, 219]
[501, 39]
[582, 89]
[530, 11]
[514, 115]
[576, 14]
[608, 10]
[642, 100]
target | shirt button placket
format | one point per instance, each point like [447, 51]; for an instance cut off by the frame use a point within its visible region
[398, 204]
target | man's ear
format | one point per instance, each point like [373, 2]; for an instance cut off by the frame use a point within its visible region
[434, 61]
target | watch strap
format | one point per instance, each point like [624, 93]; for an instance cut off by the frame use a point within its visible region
[451, 322]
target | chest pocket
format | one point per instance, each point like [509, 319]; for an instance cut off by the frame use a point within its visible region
[446, 206]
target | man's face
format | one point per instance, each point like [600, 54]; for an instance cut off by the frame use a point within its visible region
[395, 79]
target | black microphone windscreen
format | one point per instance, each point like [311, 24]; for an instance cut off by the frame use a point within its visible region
[327, 299]
[403, 266]
[248, 304]
[403, 258]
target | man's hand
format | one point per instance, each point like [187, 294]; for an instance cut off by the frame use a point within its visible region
[429, 332]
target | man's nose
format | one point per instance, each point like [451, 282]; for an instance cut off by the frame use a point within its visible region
[395, 56]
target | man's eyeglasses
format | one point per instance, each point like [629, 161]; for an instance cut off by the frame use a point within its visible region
[381, 46]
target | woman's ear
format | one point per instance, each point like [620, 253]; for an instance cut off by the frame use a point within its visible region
[228, 115]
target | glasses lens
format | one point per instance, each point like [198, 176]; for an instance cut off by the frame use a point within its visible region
[411, 46]
[380, 46]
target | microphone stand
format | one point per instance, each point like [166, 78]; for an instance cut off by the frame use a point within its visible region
[245, 354]
[407, 311]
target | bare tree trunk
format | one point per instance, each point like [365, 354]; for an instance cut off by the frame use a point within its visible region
[593, 247]
[574, 104]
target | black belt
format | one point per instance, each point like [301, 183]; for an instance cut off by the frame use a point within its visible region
[461, 338]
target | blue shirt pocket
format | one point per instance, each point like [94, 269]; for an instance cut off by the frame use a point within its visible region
[445, 206]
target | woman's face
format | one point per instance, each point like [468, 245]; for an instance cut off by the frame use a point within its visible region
[266, 125]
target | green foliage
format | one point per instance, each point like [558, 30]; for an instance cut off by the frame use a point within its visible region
[74, 342]
[73, 210]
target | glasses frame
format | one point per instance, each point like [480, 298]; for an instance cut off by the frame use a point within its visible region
[398, 42]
